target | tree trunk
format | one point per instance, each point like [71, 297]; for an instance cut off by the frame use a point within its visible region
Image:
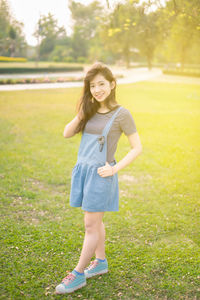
[127, 57]
[183, 55]
[149, 61]
[37, 58]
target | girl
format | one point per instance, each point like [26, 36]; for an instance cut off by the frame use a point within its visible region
[94, 183]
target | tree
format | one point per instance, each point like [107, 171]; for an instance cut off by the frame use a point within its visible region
[185, 29]
[47, 33]
[119, 30]
[4, 26]
[150, 33]
[12, 41]
[86, 21]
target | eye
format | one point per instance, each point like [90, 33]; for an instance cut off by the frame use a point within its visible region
[102, 83]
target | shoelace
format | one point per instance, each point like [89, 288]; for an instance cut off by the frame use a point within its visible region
[68, 278]
[93, 264]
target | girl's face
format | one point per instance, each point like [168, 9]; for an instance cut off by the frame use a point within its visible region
[100, 87]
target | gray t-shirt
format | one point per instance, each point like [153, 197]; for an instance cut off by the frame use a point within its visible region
[123, 122]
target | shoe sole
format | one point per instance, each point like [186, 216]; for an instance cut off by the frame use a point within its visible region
[72, 289]
[97, 273]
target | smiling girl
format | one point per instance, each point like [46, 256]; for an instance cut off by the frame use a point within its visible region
[94, 182]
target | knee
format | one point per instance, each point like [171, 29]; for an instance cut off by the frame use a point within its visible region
[93, 222]
[91, 226]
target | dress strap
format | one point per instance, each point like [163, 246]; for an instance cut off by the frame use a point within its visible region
[109, 124]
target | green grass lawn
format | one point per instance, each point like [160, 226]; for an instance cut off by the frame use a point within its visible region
[153, 242]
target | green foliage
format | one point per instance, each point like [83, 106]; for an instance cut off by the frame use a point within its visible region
[119, 32]
[12, 33]
[81, 59]
[68, 59]
[152, 243]
[48, 33]
[183, 36]
[150, 34]
[60, 52]
[186, 72]
[4, 20]
[128, 31]
[16, 70]
[132, 31]
[12, 41]
[85, 29]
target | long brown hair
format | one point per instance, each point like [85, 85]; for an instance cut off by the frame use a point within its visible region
[85, 105]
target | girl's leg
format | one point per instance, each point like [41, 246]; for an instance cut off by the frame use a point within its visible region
[100, 249]
[93, 224]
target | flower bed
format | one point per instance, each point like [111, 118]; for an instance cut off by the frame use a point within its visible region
[12, 59]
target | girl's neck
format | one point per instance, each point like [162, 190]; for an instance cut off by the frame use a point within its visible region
[103, 108]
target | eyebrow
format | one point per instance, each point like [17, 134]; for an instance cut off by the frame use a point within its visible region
[97, 82]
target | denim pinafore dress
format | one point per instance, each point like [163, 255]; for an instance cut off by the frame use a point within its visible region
[88, 189]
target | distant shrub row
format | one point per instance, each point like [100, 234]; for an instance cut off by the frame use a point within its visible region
[18, 70]
[38, 80]
[191, 73]
[12, 59]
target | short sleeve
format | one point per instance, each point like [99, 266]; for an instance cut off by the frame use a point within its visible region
[127, 123]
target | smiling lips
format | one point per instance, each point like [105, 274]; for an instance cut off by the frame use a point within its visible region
[99, 96]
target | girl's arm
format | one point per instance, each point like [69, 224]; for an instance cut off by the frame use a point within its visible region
[70, 128]
[136, 149]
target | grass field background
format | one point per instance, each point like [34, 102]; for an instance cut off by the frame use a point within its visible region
[152, 243]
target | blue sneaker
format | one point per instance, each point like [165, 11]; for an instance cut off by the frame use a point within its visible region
[73, 281]
[97, 267]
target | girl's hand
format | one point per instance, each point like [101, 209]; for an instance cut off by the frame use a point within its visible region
[106, 170]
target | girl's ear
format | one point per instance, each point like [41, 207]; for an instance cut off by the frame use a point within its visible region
[112, 85]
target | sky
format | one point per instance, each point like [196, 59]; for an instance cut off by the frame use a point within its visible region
[29, 11]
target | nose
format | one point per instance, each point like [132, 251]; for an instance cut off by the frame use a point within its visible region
[96, 89]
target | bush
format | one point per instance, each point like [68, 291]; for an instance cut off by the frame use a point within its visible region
[81, 59]
[191, 73]
[2, 81]
[9, 81]
[39, 70]
[12, 59]
[56, 59]
[68, 59]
